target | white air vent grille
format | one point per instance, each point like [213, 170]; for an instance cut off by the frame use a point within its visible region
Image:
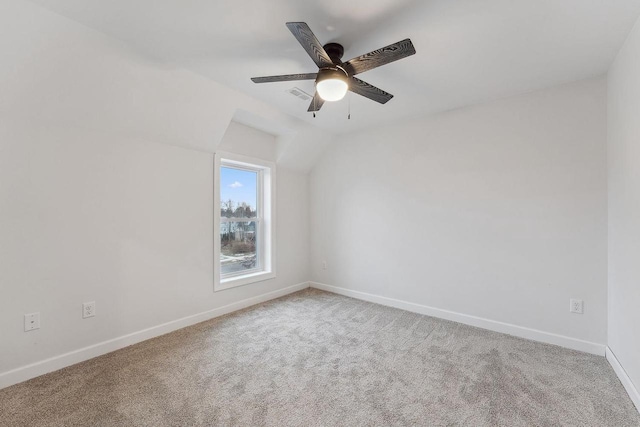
[299, 93]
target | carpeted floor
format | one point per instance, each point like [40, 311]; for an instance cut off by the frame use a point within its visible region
[318, 359]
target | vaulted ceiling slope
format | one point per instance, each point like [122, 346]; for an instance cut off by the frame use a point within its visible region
[468, 51]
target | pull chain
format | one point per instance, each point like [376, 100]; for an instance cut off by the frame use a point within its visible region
[349, 113]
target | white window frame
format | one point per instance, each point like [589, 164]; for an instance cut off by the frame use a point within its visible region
[266, 249]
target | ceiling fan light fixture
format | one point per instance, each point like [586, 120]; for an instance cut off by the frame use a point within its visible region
[332, 84]
[335, 77]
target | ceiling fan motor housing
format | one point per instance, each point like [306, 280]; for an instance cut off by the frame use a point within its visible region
[335, 52]
[336, 73]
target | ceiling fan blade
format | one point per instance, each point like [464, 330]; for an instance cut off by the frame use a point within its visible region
[310, 43]
[379, 57]
[316, 103]
[284, 78]
[368, 91]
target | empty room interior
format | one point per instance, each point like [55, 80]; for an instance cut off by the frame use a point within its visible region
[295, 213]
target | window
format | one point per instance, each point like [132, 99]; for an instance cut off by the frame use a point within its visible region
[244, 220]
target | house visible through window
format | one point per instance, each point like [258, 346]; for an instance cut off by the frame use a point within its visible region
[244, 220]
[239, 220]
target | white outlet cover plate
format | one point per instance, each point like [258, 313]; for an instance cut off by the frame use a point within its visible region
[88, 309]
[31, 321]
[576, 306]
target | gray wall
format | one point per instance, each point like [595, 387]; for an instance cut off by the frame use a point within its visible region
[496, 211]
[624, 206]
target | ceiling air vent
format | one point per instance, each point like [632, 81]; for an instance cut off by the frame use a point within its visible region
[299, 93]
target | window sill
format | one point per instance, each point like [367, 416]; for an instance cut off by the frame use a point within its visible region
[232, 282]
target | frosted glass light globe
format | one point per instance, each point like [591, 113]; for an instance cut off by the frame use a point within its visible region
[332, 84]
[332, 89]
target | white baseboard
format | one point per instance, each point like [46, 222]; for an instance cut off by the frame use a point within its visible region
[492, 325]
[624, 378]
[33, 370]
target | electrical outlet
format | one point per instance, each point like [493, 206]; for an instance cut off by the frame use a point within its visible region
[576, 306]
[31, 321]
[88, 309]
[324, 265]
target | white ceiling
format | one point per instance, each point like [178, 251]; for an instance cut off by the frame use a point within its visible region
[468, 51]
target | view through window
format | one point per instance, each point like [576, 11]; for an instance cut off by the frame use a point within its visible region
[240, 220]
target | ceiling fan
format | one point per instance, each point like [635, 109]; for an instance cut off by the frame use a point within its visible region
[335, 77]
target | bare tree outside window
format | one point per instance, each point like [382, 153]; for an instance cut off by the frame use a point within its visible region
[239, 225]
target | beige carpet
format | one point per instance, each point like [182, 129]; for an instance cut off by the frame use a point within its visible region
[319, 359]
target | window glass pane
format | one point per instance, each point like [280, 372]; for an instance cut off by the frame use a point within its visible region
[238, 252]
[238, 193]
